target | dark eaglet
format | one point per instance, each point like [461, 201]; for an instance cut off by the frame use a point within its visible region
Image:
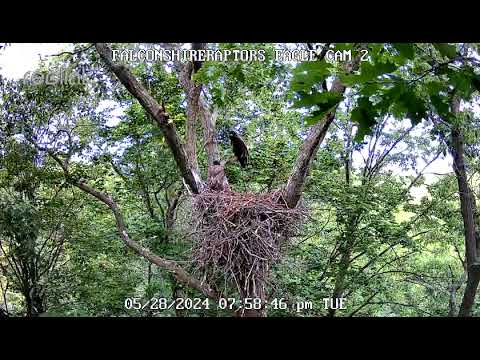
[239, 148]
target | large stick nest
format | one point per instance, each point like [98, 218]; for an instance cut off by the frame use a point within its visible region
[239, 236]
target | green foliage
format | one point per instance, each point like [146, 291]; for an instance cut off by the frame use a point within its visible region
[406, 50]
[364, 114]
[308, 74]
[369, 236]
[446, 49]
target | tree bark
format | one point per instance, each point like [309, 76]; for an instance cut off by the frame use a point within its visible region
[3, 313]
[171, 213]
[33, 301]
[453, 288]
[192, 92]
[309, 149]
[209, 119]
[467, 208]
[296, 181]
[179, 273]
[158, 113]
[197, 107]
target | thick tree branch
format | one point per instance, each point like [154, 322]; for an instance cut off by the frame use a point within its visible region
[169, 265]
[179, 273]
[209, 119]
[197, 108]
[296, 181]
[158, 113]
[317, 133]
[192, 92]
[467, 208]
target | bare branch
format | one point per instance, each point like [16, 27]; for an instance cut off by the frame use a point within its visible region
[197, 108]
[158, 113]
[73, 52]
[169, 265]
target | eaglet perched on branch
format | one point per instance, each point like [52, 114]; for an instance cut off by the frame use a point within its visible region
[239, 148]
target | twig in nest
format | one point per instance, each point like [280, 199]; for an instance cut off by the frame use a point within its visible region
[239, 235]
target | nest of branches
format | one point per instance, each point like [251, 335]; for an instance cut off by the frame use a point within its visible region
[240, 235]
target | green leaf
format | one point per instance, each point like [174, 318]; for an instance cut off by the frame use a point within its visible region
[446, 49]
[369, 89]
[319, 67]
[435, 87]
[390, 99]
[370, 71]
[323, 100]
[309, 73]
[463, 85]
[440, 105]
[364, 114]
[476, 82]
[238, 73]
[405, 49]
[416, 108]
[350, 79]
[401, 100]
[343, 46]
[367, 72]
[315, 117]
[385, 67]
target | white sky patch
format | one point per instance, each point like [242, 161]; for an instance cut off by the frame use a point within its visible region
[17, 59]
[116, 112]
[431, 173]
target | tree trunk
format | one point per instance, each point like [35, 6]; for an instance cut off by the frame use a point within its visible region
[469, 295]
[467, 207]
[192, 93]
[209, 119]
[349, 239]
[453, 288]
[192, 117]
[309, 149]
[197, 108]
[158, 113]
[346, 252]
[170, 265]
[33, 302]
[3, 313]
[317, 133]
